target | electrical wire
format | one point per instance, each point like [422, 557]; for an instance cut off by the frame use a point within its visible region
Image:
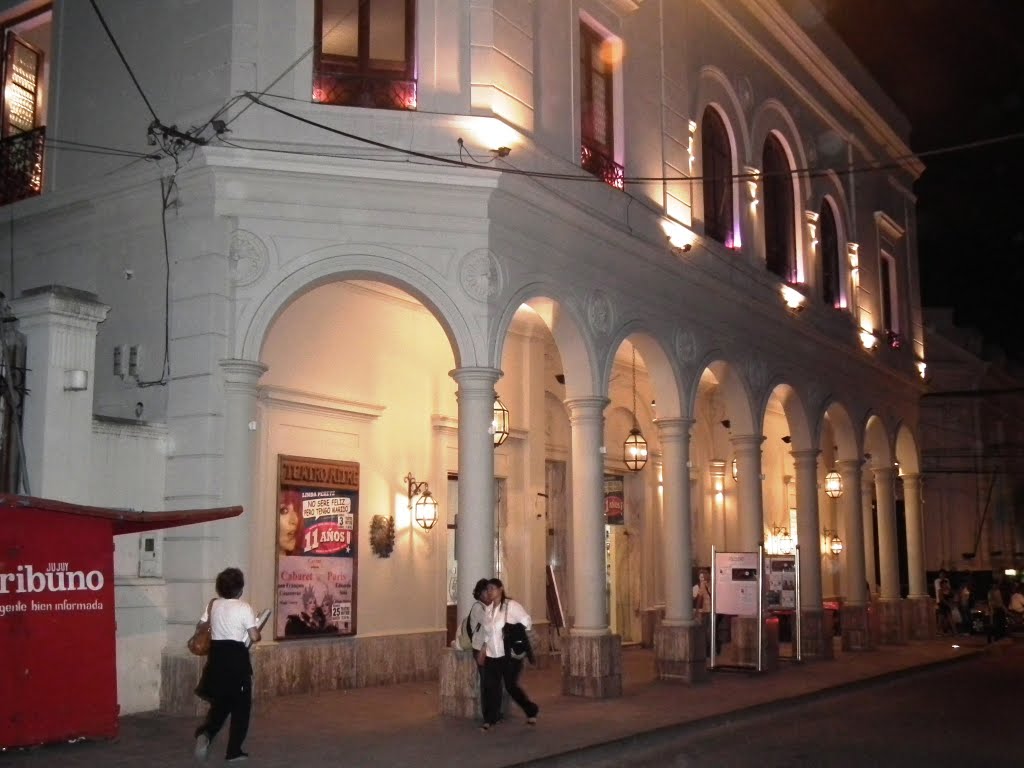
[124, 61]
[165, 374]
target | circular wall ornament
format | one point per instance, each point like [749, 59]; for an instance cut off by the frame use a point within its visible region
[480, 275]
[600, 312]
[686, 346]
[249, 257]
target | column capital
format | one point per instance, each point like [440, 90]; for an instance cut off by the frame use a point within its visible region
[747, 441]
[72, 306]
[805, 456]
[676, 427]
[242, 372]
[583, 407]
[476, 378]
[849, 467]
[911, 478]
[884, 474]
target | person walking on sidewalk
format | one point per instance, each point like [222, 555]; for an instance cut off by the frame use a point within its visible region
[499, 666]
[226, 681]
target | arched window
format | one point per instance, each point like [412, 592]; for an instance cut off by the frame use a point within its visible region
[828, 238]
[716, 157]
[780, 257]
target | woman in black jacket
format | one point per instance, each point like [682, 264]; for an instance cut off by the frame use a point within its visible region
[227, 678]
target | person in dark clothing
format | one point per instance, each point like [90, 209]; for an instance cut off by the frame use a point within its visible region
[226, 681]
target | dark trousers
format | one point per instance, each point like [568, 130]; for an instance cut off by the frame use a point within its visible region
[237, 704]
[499, 672]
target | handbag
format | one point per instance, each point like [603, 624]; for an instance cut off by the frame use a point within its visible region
[199, 643]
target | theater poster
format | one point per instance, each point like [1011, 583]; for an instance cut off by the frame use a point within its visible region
[614, 500]
[317, 523]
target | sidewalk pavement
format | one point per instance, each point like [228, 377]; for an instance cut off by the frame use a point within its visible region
[400, 726]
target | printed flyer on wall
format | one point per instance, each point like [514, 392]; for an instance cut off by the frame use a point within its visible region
[317, 523]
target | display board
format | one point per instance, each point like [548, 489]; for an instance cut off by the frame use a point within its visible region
[781, 574]
[317, 520]
[736, 582]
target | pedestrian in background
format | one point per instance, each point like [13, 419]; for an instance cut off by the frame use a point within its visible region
[226, 681]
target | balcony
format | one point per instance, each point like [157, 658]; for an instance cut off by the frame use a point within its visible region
[595, 162]
[21, 165]
[361, 90]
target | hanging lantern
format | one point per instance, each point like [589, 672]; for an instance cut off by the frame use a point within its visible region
[833, 485]
[785, 542]
[500, 422]
[634, 449]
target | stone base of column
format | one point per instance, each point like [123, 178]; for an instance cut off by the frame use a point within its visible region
[592, 666]
[679, 654]
[459, 683]
[856, 628]
[816, 634]
[919, 618]
[890, 620]
[742, 648]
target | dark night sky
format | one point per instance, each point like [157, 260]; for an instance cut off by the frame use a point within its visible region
[956, 69]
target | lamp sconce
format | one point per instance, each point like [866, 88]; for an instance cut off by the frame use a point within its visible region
[499, 422]
[833, 543]
[76, 380]
[793, 298]
[779, 542]
[425, 509]
[735, 471]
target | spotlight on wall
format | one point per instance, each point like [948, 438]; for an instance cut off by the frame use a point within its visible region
[426, 506]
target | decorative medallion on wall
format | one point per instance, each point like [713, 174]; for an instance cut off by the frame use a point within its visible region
[600, 313]
[745, 93]
[686, 346]
[480, 275]
[249, 257]
[382, 535]
[757, 373]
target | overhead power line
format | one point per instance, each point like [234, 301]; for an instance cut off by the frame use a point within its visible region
[124, 61]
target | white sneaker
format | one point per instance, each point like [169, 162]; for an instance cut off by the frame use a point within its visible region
[202, 746]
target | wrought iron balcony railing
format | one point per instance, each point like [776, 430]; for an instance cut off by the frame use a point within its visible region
[21, 165]
[380, 92]
[596, 162]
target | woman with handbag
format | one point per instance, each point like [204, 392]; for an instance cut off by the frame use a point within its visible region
[496, 658]
[227, 678]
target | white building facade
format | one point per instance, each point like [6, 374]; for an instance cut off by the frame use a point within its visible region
[689, 217]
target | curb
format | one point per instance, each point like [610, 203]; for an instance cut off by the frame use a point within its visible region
[615, 753]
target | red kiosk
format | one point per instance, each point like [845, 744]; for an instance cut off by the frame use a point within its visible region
[58, 671]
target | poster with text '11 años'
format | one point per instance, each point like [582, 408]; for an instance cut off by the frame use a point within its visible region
[317, 523]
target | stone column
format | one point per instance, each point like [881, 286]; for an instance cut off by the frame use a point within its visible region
[922, 606]
[854, 619]
[591, 659]
[890, 610]
[751, 513]
[240, 441]
[816, 639]
[458, 679]
[679, 641]
[59, 325]
[867, 495]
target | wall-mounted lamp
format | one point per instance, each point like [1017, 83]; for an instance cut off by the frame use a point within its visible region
[868, 339]
[833, 543]
[735, 470]
[499, 425]
[426, 507]
[76, 380]
[779, 541]
[679, 237]
[793, 298]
